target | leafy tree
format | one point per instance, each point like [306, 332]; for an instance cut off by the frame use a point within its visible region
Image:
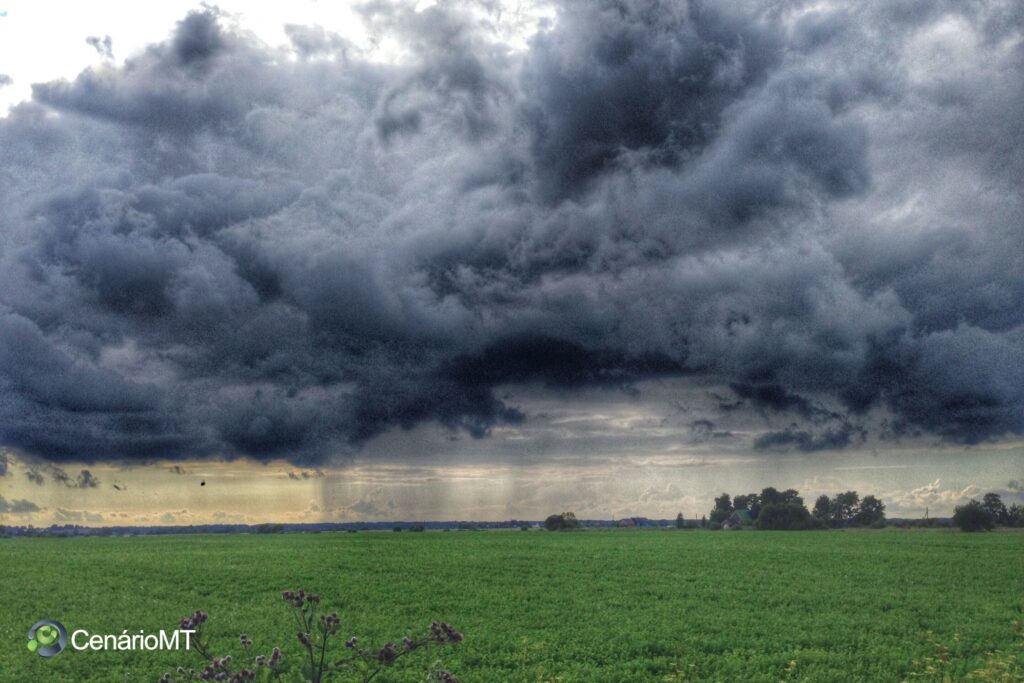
[754, 504]
[785, 517]
[843, 507]
[723, 508]
[703, 521]
[823, 509]
[770, 496]
[973, 517]
[792, 497]
[679, 521]
[871, 511]
[993, 503]
[1015, 516]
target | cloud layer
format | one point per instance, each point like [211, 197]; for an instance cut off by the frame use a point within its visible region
[227, 249]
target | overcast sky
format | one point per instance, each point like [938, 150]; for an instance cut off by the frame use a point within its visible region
[486, 260]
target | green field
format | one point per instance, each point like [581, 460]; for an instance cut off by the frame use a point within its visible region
[587, 606]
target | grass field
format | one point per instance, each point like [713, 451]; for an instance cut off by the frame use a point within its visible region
[538, 606]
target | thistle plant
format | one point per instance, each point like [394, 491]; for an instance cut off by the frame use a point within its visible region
[321, 658]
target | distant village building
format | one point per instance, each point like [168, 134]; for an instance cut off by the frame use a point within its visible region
[634, 522]
[738, 518]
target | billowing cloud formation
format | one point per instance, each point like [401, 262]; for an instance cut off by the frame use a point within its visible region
[226, 249]
[932, 495]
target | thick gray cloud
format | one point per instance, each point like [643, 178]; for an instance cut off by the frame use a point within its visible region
[224, 249]
[17, 506]
[104, 46]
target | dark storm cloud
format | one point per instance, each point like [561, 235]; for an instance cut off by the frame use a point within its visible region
[37, 473]
[777, 398]
[832, 438]
[87, 480]
[305, 475]
[618, 77]
[224, 249]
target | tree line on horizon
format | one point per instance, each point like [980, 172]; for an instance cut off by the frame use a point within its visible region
[772, 509]
[987, 514]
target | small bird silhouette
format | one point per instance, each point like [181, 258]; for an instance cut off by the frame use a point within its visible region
[202, 483]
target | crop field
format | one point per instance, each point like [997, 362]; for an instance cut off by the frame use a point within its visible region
[630, 605]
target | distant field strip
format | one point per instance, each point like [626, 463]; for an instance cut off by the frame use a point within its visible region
[538, 606]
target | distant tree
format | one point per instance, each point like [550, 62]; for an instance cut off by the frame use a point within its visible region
[679, 521]
[754, 504]
[973, 517]
[770, 496]
[562, 522]
[871, 511]
[785, 517]
[397, 528]
[417, 527]
[844, 505]
[993, 502]
[1015, 516]
[792, 497]
[524, 527]
[703, 521]
[723, 508]
[823, 509]
[741, 502]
